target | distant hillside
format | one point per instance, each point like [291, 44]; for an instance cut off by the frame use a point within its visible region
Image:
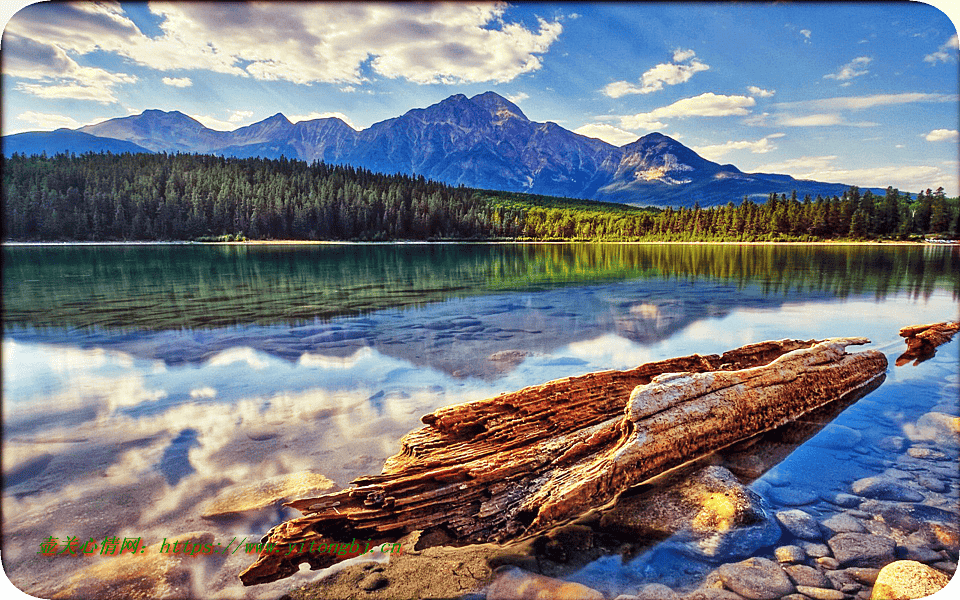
[481, 142]
[163, 196]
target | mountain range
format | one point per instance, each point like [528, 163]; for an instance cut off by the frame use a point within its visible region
[481, 142]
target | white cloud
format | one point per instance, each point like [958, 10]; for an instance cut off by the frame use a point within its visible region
[946, 53]
[179, 82]
[806, 33]
[55, 74]
[609, 133]
[213, 122]
[854, 68]
[762, 93]
[518, 97]
[239, 115]
[715, 152]
[823, 168]
[310, 42]
[943, 135]
[46, 122]
[704, 105]
[323, 115]
[830, 111]
[663, 74]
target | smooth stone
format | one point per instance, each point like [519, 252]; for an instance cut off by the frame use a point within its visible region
[900, 519]
[756, 578]
[892, 443]
[907, 580]
[800, 524]
[656, 591]
[861, 549]
[865, 575]
[828, 562]
[790, 554]
[239, 499]
[884, 488]
[820, 593]
[932, 483]
[937, 427]
[926, 453]
[804, 575]
[918, 553]
[712, 594]
[814, 549]
[836, 437]
[515, 584]
[843, 500]
[792, 496]
[946, 566]
[842, 523]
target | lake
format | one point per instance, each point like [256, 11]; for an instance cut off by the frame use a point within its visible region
[139, 381]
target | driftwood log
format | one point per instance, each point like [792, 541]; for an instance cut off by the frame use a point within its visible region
[515, 465]
[922, 340]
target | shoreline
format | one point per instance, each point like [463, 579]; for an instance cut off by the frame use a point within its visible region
[477, 242]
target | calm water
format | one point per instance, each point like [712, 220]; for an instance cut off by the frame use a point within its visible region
[139, 381]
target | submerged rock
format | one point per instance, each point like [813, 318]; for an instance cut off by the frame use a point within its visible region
[245, 498]
[512, 583]
[756, 579]
[709, 513]
[861, 549]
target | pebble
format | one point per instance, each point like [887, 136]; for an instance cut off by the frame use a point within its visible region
[906, 580]
[837, 437]
[821, 593]
[842, 523]
[828, 562]
[712, 594]
[790, 554]
[800, 524]
[918, 553]
[656, 591]
[932, 483]
[842, 500]
[884, 488]
[926, 453]
[815, 550]
[804, 575]
[892, 443]
[865, 575]
[756, 578]
[861, 549]
[792, 496]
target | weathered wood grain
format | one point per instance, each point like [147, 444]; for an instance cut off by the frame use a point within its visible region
[520, 463]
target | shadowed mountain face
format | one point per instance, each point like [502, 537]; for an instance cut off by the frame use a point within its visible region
[482, 142]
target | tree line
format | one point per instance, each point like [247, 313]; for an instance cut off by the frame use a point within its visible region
[96, 197]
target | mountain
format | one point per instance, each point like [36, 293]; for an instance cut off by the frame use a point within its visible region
[484, 142]
[64, 141]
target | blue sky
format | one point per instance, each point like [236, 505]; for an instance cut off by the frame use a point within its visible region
[847, 92]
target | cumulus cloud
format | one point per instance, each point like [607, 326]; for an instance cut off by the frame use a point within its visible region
[683, 67]
[704, 105]
[309, 42]
[608, 133]
[762, 93]
[943, 135]
[946, 53]
[180, 82]
[518, 97]
[715, 152]
[46, 122]
[854, 68]
[54, 74]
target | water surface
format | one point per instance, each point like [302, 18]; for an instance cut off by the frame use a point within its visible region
[139, 381]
